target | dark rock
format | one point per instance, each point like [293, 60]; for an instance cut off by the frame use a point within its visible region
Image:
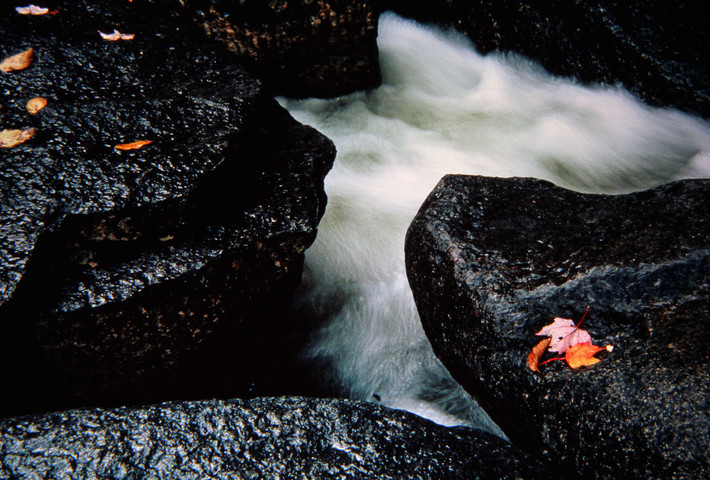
[261, 438]
[651, 48]
[310, 48]
[133, 276]
[101, 94]
[491, 261]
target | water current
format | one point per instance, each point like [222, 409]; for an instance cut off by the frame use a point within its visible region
[444, 108]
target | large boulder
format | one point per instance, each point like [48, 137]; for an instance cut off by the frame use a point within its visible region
[310, 48]
[131, 276]
[491, 261]
[651, 48]
[261, 438]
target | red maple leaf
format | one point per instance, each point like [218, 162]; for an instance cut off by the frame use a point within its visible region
[582, 355]
[565, 337]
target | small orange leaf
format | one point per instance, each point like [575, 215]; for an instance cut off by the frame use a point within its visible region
[537, 352]
[11, 138]
[17, 62]
[36, 104]
[582, 355]
[133, 145]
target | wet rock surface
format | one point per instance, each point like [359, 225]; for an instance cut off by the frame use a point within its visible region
[491, 261]
[133, 276]
[101, 94]
[311, 48]
[261, 438]
[651, 48]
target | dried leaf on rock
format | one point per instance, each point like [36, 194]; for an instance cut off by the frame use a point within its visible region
[32, 10]
[11, 138]
[133, 145]
[116, 35]
[17, 62]
[537, 352]
[564, 334]
[582, 355]
[36, 104]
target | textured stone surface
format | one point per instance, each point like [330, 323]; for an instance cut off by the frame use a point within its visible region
[312, 48]
[127, 276]
[262, 438]
[101, 94]
[491, 261]
[649, 47]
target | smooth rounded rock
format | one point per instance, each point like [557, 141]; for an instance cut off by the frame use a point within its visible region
[491, 261]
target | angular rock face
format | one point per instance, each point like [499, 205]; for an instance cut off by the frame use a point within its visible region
[261, 438]
[131, 276]
[648, 47]
[300, 49]
[491, 261]
[101, 94]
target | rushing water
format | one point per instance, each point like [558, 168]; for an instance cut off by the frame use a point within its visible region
[443, 108]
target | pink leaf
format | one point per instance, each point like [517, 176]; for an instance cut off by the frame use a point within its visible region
[116, 35]
[564, 334]
[32, 10]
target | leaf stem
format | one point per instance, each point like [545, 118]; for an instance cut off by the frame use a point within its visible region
[583, 317]
[550, 360]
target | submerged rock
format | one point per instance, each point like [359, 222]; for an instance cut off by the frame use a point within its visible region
[491, 261]
[300, 49]
[261, 438]
[131, 276]
[651, 48]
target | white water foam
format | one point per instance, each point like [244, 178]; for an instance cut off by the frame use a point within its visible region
[443, 108]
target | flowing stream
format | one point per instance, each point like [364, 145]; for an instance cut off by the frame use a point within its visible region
[443, 108]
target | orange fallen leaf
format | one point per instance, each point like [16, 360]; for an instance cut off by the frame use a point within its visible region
[11, 138]
[32, 10]
[116, 35]
[537, 352]
[133, 145]
[582, 355]
[17, 62]
[36, 104]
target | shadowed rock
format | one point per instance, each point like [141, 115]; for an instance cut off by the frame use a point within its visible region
[261, 438]
[132, 276]
[311, 48]
[491, 261]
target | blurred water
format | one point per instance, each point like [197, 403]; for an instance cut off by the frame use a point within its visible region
[443, 108]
